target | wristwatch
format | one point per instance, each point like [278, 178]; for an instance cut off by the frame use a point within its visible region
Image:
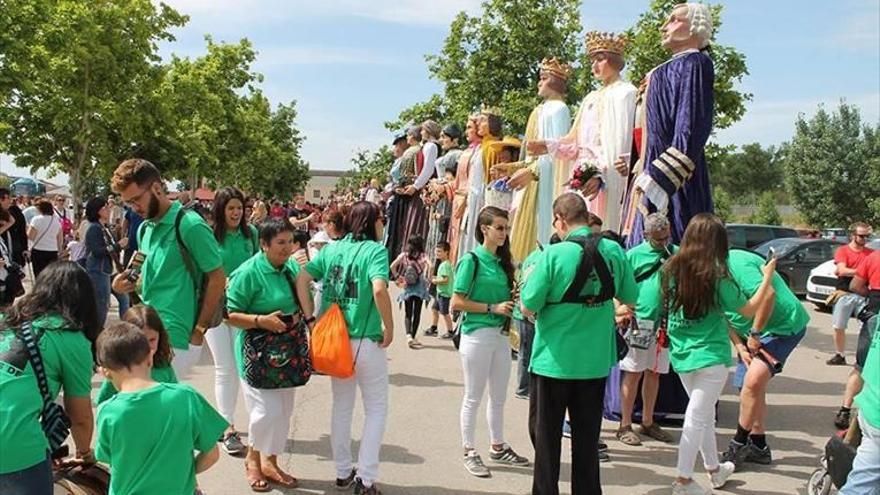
[754, 333]
[488, 308]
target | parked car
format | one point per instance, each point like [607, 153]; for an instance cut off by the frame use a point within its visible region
[836, 234]
[748, 236]
[797, 257]
[823, 280]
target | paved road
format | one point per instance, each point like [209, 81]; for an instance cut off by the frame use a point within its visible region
[421, 452]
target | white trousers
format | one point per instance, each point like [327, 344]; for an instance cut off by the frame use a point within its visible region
[184, 360]
[371, 375]
[485, 358]
[704, 387]
[269, 412]
[221, 341]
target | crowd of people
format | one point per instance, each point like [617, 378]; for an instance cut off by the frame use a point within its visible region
[589, 248]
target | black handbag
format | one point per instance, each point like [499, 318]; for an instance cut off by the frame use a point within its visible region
[53, 419]
[278, 360]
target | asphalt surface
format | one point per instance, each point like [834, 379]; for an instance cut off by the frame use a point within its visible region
[421, 453]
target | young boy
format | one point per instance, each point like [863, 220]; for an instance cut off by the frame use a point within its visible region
[443, 282]
[148, 431]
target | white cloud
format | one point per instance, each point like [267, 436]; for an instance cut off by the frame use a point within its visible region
[772, 122]
[320, 55]
[235, 12]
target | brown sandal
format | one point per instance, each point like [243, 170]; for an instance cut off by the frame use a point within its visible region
[258, 483]
[284, 480]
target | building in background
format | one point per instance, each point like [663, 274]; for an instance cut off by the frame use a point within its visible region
[322, 183]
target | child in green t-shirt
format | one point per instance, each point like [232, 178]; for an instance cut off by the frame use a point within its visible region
[147, 319]
[149, 452]
[443, 282]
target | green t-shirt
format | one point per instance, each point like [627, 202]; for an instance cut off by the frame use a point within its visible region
[150, 452]
[258, 288]
[868, 399]
[522, 274]
[347, 269]
[445, 271]
[236, 248]
[575, 341]
[67, 359]
[789, 316]
[643, 258]
[165, 282]
[704, 342]
[489, 287]
[164, 374]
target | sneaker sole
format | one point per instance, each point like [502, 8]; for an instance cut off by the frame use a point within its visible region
[480, 475]
[509, 463]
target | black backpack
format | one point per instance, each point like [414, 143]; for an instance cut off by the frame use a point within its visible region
[591, 260]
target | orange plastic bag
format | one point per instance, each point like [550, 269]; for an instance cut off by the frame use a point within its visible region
[331, 346]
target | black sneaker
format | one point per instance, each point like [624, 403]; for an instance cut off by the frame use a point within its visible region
[603, 456]
[507, 456]
[360, 489]
[603, 447]
[447, 336]
[842, 420]
[343, 484]
[758, 455]
[837, 360]
[566, 429]
[431, 332]
[736, 452]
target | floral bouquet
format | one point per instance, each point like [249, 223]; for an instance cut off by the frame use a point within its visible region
[581, 174]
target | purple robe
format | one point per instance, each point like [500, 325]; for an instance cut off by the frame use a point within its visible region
[679, 112]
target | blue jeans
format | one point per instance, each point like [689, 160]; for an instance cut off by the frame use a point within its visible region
[35, 480]
[526, 337]
[101, 283]
[864, 479]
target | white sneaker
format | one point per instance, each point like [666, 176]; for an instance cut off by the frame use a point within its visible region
[719, 478]
[692, 488]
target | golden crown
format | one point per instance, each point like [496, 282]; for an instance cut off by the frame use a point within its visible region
[489, 110]
[606, 42]
[557, 68]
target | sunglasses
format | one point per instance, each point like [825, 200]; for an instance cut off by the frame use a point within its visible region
[861, 236]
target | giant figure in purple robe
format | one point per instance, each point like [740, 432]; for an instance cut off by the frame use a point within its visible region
[671, 175]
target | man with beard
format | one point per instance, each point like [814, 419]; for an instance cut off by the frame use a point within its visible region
[180, 252]
[671, 176]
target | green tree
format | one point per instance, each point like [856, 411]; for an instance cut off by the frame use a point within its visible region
[833, 168]
[749, 172]
[368, 165]
[723, 204]
[69, 84]
[766, 213]
[494, 59]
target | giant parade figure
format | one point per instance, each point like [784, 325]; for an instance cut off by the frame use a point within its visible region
[602, 131]
[670, 175]
[536, 175]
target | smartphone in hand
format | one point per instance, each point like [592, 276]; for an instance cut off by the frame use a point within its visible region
[771, 254]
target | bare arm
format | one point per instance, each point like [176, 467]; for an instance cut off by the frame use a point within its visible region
[31, 232]
[79, 409]
[750, 310]
[205, 460]
[741, 349]
[460, 302]
[383, 304]
[859, 286]
[214, 290]
[302, 290]
[843, 271]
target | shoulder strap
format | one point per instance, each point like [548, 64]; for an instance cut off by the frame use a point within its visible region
[184, 251]
[653, 269]
[30, 342]
[48, 228]
[292, 285]
[476, 269]
[591, 260]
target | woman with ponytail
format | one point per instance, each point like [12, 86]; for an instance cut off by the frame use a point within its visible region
[483, 292]
[354, 272]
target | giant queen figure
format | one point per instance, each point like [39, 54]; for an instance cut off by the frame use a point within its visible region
[670, 175]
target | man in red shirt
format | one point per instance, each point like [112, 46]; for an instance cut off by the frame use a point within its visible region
[848, 258]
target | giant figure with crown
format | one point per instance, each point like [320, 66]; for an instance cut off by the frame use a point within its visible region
[602, 131]
[670, 175]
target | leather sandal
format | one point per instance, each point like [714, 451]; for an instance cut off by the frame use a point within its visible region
[256, 480]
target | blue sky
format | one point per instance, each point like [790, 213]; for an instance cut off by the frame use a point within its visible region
[353, 64]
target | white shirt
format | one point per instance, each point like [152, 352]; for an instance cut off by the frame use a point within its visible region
[47, 227]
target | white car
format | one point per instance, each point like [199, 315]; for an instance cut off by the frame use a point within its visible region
[822, 280]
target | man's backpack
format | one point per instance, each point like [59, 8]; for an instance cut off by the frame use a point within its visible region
[591, 260]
